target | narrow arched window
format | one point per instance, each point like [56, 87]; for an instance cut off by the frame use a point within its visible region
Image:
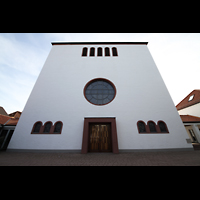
[92, 50]
[163, 127]
[47, 127]
[107, 51]
[84, 53]
[37, 127]
[114, 51]
[152, 127]
[141, 127]
[58, 127]
[99, 51]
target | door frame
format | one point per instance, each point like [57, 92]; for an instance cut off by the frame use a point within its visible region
[85, 140]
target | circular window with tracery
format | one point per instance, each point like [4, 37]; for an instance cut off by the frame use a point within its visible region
[100, 91]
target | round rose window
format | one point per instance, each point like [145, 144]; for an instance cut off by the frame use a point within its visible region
[99, 91]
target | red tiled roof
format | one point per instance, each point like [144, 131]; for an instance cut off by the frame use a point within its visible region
[4, 119]
[186, 103]
[190, 118]
[13, 121]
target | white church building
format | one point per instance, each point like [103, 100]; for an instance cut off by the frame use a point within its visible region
[99, 97]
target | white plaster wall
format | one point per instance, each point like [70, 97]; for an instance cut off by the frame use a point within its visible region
[58, 96]
[191, 110]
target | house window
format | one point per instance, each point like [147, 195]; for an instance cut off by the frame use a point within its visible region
[84, 53]
[47, 127]
[141, 127]
[191, 98]
[107, 51]
[193, 135]
[37, 127]
[99, 51]
[152, 127]
[58, 127]
[92, 50]
[114, 51]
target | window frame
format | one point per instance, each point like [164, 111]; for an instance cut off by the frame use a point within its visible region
[160, 121]
[52, 128]
[114, 51]
[101, 51]
[139, 127]
[154, 126]
[157, 127]
[32, 132]
[92, 52]
[107, 51]
[55, 127]
[191, 98]
[45, 126]
[99, 79]
[84, 52]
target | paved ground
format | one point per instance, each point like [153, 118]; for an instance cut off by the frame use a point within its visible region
[157, 158]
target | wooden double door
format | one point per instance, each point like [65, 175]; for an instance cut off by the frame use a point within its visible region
[100, 138]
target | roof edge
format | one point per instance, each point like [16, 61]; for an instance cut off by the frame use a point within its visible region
[193, 119]
[80, 43]
[182, 107]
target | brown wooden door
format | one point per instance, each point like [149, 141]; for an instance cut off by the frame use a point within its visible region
[100, 138]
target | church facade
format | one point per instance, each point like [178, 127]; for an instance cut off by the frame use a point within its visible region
[99, 97]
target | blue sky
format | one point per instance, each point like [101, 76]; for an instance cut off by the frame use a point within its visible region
[22, 56]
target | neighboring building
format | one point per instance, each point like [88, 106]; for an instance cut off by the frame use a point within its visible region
[99, 97]
[16, 114]
[2, 111]
[7, 126]
[189, 110]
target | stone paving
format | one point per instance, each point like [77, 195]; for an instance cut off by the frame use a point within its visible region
[138, 158]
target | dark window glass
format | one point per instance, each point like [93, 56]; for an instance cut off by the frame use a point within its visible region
[152, 127]
[84, 53]
[47, 127]
[114, 51]
[99, 51]
[92, 50]
[2, 137]
[141, 126]
[107, 51]
[162, 126]
[58, 127]
[37, 127]
[99, 92]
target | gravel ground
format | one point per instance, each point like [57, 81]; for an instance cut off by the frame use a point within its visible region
[143, 158]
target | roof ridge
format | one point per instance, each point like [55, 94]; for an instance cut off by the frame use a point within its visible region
[78, 43]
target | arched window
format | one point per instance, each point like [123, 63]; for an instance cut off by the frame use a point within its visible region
[92, 50]
[99, 51]
[107, 51]
[84, 53]
[152, 127]
[37, 127]
[114, 51]
[141, 127]
[58, 127]
[163, 127]
[47, 127]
